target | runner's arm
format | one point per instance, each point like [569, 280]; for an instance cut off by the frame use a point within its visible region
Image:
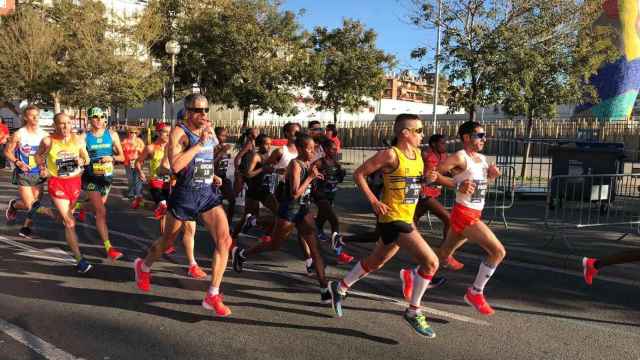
[10, 148]
[455, 161]
[297, 188]
[275, 157]
[238, 159]
[43, 149]
[141, 159]
[178, 158]
[118, 154]
[84, 154]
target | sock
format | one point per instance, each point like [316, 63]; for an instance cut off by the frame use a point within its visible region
[78, 205]
[484, 274]
[78, 257]
[107, 245]
[420, 283]
[357, 273]
[308, 262]
[413, 311]
[145, 268]
[42, 210]
[213, 291]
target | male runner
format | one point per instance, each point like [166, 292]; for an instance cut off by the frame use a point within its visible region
[402, 168]
[132, 146]
[222, 160]
[190, 153]
[472, 169]
[104, 148]
[21, 150]
[591, 266]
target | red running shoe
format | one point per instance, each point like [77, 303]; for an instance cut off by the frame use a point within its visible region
[453, 264]
[81, 215]
[196, 272]
[588, 270]
[114, 254]
[406, 276]
[143, 279]
[214, 302]
[135, 204]
[170, 250]
[344, 258]
[478, 301]
[264, 239]
[160, 211]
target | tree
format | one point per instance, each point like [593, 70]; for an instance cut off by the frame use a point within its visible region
[346, 67]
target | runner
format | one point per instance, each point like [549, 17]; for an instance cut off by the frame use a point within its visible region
[294, 204]
[591, 266]
[221, 161]
[316, 131]
[104, 149]
[434, 156]
[261, 183]
[472, 170]
[61, 157]
[21, 150]
[190, 153]
[132, 147]
[324, 193]
[402, 168]
[247, 144]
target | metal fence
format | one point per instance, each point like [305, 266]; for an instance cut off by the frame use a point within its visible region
[591, 201]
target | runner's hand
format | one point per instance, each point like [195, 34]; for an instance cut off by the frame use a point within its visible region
[206, 135]
[431, 177]
[467, 187]
[22, 166]
[315, 173]
[106, 159]
[43, 172]
[379, 207]
[217, 181]
[493, 171]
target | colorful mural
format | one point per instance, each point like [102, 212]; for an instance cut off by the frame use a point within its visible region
[618, 83]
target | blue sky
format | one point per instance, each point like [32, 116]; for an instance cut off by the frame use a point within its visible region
[386, 17]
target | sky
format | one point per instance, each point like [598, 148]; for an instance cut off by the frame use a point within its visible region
[386, 17]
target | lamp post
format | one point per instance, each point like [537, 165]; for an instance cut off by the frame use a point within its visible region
[435, 88]
[172, 48]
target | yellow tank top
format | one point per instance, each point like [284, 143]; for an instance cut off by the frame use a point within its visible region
[402, 188]
[62, 159]
[156, 160]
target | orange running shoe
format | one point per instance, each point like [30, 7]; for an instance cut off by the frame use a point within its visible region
[214, 302]
[143, 279]
[114, 254]
[453, 264]
[478, 301]
[196, 272]
[406, 276]
[160, 211]
[344, 258]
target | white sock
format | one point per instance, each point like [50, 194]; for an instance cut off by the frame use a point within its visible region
[413, 311]
[357, 273]
[420, 284]
[308, 262]
[484, 274]
[145, 268]
[213, 291]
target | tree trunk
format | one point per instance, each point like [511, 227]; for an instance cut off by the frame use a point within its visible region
[335, 115]
[245, 118]
[56, 102]
[527, 149]
[472, 113]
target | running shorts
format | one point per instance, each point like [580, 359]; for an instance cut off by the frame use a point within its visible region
[186, 203]
[21, 179]
[97, 184]
[292, 211]
[65, 188]
[463, 217]
[390, 232]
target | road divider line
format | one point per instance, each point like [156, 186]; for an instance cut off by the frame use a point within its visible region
[35, 343]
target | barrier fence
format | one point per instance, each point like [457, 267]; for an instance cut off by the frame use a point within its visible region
[591, 201]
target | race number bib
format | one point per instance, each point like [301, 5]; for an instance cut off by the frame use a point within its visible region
[66, 164]
[480, 192]
[269, 182]
[32, 161]
[331, 181]
[412, 187]
[223, 166]
[203, 171]
[102, 169]
[305, 199]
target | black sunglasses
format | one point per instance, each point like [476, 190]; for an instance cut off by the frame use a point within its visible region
[199, 110]
[480, 136]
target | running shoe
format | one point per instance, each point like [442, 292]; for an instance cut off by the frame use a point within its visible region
[114, 254]
[406, 276]
[135, 204]
[321, 235]
[170, 250]
[25, 232]
[160, 211]
[437, 281]
[11, 212]
[336, 241]
[325, 296]
[196, 272]
[419, 324]
[588, 270]
[453, 264]
[83, 266]
[336, 297]
[236, 259]
[265, 239]
[143, 279]
[214, 302]
[81, 215]
[478, 302]
[344, 258]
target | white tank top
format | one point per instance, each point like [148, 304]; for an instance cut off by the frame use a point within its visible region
[476, 172]
[286, 158]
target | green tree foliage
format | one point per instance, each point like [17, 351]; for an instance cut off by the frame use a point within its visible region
[346, 68]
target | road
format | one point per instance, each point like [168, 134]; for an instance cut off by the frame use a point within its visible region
[543, 308]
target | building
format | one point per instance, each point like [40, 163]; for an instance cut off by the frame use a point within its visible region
[409, 87]
[7, 7]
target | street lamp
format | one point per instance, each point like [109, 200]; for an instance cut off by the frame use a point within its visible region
[435, 87]
[172, 48]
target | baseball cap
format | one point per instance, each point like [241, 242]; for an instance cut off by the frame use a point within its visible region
[95, 112]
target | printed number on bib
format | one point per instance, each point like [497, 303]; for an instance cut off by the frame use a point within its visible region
[305, 199]
[203, 172]
[412, 187]
[223, 165]
[269, 182]
[480, 192]
[102, 169]
[66, 164]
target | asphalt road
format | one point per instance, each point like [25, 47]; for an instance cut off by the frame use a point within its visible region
[543, 308]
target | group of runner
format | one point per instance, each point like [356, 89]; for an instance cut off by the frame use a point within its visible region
[189, 177]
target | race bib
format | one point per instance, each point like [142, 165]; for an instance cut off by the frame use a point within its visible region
[66, 164]
[203, 172]
[223, 166]
[480, 192]
[305, 199]
[269, 182]
[102, 169]
[412, 187]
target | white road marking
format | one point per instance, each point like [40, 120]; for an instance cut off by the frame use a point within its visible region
[35, 343]
[53, 254]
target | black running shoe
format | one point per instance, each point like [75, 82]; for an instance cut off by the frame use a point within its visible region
[236, 259]
[83, 266]
[25, 232]
[325, 296]
[437, 281]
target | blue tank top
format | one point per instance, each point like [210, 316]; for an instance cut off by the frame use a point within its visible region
[27, 149]
[200, 170]
[98, 147]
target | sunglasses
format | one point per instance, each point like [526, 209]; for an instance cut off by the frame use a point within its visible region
[98, 117]
[479, 136]
[415, 130]
[317, 129]
[199, 110]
